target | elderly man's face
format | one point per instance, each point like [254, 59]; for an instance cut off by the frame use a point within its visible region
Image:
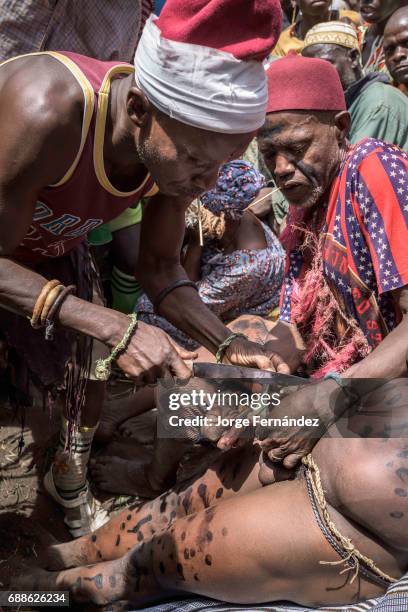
[377, 11]
[303, 152]
[396, 46]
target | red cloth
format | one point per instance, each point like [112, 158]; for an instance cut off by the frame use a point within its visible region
[303, 83]
[248, 29]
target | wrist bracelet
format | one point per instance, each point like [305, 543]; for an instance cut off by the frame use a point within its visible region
[39, 304]
[103, 367]
[165, 292]
[219, 355]
[49, 301]
[54, 310]
[351, 395]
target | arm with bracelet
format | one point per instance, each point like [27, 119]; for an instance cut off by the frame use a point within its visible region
[329, 399]
[30, 136]
[175, 296]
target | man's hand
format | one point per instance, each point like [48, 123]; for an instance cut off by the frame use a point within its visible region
[290, 442]
[152, 354]
[249, 354]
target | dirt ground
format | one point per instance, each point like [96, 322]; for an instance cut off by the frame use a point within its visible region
[27, 445]
[23, 503]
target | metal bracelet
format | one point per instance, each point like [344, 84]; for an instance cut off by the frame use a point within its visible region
[351, 395]
[165, 292]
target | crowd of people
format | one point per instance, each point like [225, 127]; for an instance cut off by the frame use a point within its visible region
[220, 181]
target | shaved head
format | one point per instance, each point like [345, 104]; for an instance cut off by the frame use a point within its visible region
[396, 45]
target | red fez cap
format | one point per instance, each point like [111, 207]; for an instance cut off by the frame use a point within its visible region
[248, 29]
[303, 83]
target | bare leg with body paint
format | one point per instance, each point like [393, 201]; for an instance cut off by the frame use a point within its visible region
[254, 547]
[236, 471]
[260, 544]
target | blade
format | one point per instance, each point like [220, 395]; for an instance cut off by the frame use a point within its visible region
[220, 371]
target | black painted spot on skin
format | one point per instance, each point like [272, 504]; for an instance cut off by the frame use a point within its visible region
[402, 474]
[138, 572]
[183, 536]
[152, 531]
[192, 552]
[112, 581]
[403, 454]
[94, 538]
[180, 571]
[117, 540]
[209, 514]
[163, 505]
[209, 536]
[208, 560]
[242, 325]
[389, 464]
[187, 500]
[236, 470]
[140, 536]
[224, 531]
[397, 515]
[129, 517]
[186, 553]
[122, 526]
[196, 577]
[162, 568]
[96, 579]
[401, 492]
[202, 492]
[173, 515]
[139, 524]
[219, 493]
[99, 554]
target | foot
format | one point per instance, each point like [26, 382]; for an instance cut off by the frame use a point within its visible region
[99, 584]
[141, 428]
[123, 477]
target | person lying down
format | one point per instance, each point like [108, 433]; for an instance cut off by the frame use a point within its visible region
[336, 532]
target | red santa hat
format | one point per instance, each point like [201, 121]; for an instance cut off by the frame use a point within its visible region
[305, 83]
[200, 62]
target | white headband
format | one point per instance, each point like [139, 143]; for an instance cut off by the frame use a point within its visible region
[200, 86]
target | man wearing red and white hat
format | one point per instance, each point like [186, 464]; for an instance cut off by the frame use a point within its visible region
[82, 140]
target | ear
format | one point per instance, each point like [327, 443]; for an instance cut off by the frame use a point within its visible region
[138, 107]
[342, 122]
[355, 58]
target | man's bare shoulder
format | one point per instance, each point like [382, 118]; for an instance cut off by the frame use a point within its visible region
[41, 105]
